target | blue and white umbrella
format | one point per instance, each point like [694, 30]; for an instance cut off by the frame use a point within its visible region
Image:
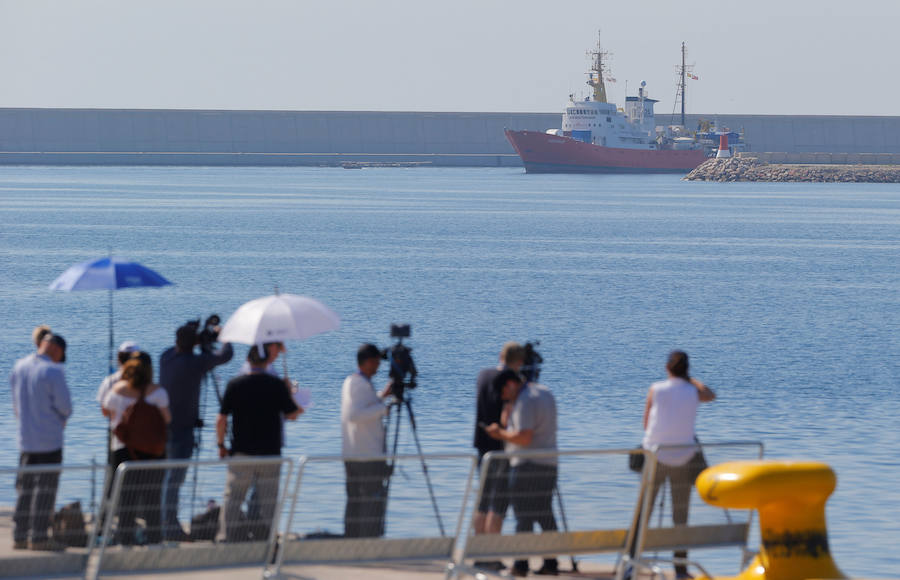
[111, 273]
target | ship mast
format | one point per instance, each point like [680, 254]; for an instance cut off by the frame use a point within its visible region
[684, 72]
[595, 79]
[683, 82]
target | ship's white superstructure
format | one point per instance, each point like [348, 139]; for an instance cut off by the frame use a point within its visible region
[603, 124]
[596, 121]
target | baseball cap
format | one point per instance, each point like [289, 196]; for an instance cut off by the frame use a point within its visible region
[129, 346]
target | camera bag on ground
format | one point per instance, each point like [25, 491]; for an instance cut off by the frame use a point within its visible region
[205, 525]
[68, 525]
[142, 428]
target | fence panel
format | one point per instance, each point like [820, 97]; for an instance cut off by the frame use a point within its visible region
[676, 519]
[583, 502]
[228, 512]
[51, 521]
[406, 507]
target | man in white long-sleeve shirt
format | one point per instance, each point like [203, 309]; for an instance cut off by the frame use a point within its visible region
[363, 436]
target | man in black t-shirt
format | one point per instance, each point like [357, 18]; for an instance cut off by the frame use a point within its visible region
[256, 403]
[489, 407]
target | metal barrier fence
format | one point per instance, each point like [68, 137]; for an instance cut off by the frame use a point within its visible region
[408, 507]
[52, 525]
[673, 517]
[583, 501]
[234, 507]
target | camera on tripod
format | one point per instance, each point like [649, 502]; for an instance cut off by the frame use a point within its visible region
[402, 367]
[208, 334]
[531, 367]
[403, 376]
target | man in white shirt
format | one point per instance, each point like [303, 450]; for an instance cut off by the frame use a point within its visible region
[363, 436]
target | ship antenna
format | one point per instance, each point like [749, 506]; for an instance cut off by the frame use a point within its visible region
[595, 79]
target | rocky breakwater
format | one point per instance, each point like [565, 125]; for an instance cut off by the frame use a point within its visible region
[751, 169]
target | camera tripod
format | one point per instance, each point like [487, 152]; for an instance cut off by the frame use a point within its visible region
[402, 402]
[208, 377]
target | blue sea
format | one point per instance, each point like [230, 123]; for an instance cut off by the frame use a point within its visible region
[786, 296]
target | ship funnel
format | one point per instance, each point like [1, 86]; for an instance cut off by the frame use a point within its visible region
[724, 152]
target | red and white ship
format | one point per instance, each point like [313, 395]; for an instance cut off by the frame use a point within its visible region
[598, 137]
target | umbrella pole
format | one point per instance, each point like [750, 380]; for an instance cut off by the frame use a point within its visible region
[111, 371]
[112, 368]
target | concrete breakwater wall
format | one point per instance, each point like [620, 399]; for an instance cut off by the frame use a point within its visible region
[278, 138]
[751, 169]
[214, 137]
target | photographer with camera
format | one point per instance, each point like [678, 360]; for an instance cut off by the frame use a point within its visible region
[363, 436]
[181, 373]
[488, 409]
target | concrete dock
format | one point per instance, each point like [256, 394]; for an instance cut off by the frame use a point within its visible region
[411, 571]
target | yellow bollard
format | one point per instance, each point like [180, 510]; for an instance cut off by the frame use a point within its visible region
[790, 497]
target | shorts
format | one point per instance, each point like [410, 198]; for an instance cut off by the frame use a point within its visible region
[495, 495]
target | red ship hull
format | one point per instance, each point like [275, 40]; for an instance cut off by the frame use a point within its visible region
[545, 153]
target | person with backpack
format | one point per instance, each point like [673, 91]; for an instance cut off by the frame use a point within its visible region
[139, 413]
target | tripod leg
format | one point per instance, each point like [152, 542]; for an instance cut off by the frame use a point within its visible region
[434, 505]
[393, 462]
[196, 456]
[565, 522]
[198, 436]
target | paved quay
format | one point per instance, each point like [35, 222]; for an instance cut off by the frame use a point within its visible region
[424, 571]
[412, 571]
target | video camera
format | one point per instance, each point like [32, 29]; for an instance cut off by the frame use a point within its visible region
[531, 368]
[209, 334]
[401, 362]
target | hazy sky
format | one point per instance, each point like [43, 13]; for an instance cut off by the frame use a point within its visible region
[753, 57]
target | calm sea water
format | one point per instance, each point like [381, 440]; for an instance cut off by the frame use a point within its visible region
[785, 295]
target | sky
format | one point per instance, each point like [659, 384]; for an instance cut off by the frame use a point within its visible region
[824, 57]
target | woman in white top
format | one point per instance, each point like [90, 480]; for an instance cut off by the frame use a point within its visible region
[142, 489]
[669, 419]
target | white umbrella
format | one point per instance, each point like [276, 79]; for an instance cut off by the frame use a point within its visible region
[278, 318]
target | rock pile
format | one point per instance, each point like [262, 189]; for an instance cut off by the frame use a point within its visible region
[751, 169]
